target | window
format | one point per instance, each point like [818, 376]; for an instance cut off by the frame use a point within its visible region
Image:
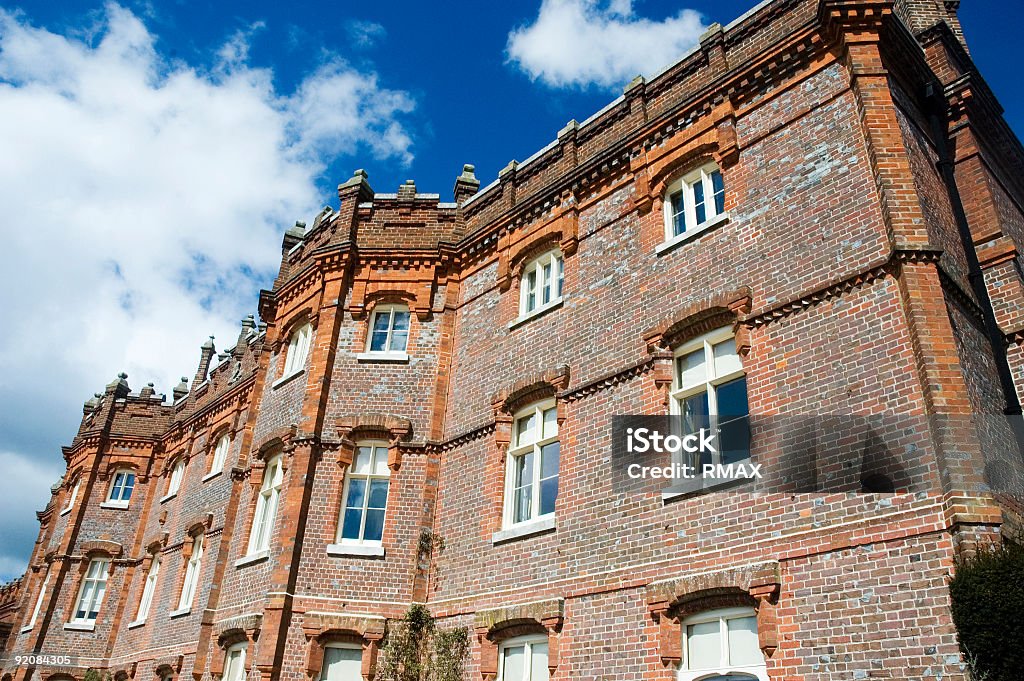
[542, 283]
[192, 570]
[720, 643]
[389, 330]
[342, 663]
[220, 454]
[177, 473]
[149, 588]
[234, 663]
[298, 349]
[121, 490]
[524, 659]
[366, 495]
[71, 497]
[39, 601]
[90, 594]
[266, 506]
[694, 200]
[710, 391]
[532, 467]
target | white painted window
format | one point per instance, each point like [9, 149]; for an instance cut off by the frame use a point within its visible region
[342, 663]
[266, 506]
[92, 591]
[531, 469]
[389, 329]
[366, 495]
[694, 200]
[192, 574]
[298, 350]
[523, 659]
[72, 497]
[709, 390]
[722, 644]
[177, 473]
[121, 488]
[39, 600]
[149, 588]
[220, 454]
[234, 663]
[542, 282]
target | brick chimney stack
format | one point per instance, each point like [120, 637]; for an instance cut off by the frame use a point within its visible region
[466, 184]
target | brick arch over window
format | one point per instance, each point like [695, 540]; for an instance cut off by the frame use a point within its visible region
[120, 463]
[517, 248]
[501, 624]
[412, 285]
[322, 629]
[124, 672]
[671, 601]
[244, 629]
[369, 425]
[296, 320]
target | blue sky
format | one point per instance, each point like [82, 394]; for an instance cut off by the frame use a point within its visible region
[153, 154]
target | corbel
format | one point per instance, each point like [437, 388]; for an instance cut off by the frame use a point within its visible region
[766, 596]
[669, 634]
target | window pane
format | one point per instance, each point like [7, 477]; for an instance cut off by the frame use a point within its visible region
[374, 525]
[356, 492]
[694, 410]
[524, 469]
[732, 398]
[692, 369]
[362, 463]
[726, 359]
[378, 494]
[549, 460]
[719, 188]
[400, 333]
[743, 646]
[129, 485]
[342, 664]
[561, 277]
[550, 422]
[353, 519]
[513, 664]
[523, 504]
[678, 213]
[539, 662]
[704, 645]
[379, 337]
[548, 495]
[526, 427]
[380, 461]
[698, 201]
[546, 280]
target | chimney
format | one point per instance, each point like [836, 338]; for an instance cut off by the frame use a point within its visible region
[407, 191]
[119, 386]
[466, 184]
[181, 389]
[205, 355]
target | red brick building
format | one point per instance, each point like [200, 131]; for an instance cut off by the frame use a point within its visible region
[817, 210]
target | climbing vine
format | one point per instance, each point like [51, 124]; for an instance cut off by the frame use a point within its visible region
[416, 650]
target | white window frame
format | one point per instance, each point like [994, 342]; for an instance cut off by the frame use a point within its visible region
[175, 478]
[120, 503]
[230, 670]
[92, 591]
[148, 589]
[39, 601]
[343, 646]
[267, 501]
[298, 350]
[220, 454]
[379, 447]
[528, 642]
[73, 497]
[390, 310]
[193, 571]
[554, 283]
[712, 381]
[759, 672]
[685, 184]
[515, 450]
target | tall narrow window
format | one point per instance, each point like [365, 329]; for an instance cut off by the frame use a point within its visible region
[694, 200]
[234, 663]
[366, 495]
[298, 349]
[542, 283]
[524, 659]
[220, 454]
[389, 330]
[39, 600]
[722, 644]
[342, 663]
[266, 506]
[710, 391]
[121, 489]
[177, 473]
[149, 588]
[532, 468]
[72, 497]
[92, 591]
[192, 573]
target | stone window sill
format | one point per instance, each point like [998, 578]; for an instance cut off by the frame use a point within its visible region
[117, 505]
[65, 511]
[168, 497]
[688, 235]
[136, 624]
[252, 559]
[180, 613]
[211, 475]
[527, 529]
[25, 630]
[80, 626]
[364, 550]
[286, 379]
[539, 312]
[393, 357]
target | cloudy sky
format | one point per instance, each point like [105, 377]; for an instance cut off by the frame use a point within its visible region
[152, 154]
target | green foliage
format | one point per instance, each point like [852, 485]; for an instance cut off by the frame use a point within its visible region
[96, 675]
[987, 595]
[416, 650]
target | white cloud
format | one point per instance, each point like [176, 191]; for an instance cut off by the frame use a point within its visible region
[33, 480]
[579, 43]
[364, 34]
[143, 206]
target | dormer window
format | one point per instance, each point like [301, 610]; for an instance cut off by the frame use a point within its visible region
[298, 350]
[694, 201]
[542, 283]
[389, 330]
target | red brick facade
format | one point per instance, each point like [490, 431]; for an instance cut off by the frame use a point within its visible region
[869, 182]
